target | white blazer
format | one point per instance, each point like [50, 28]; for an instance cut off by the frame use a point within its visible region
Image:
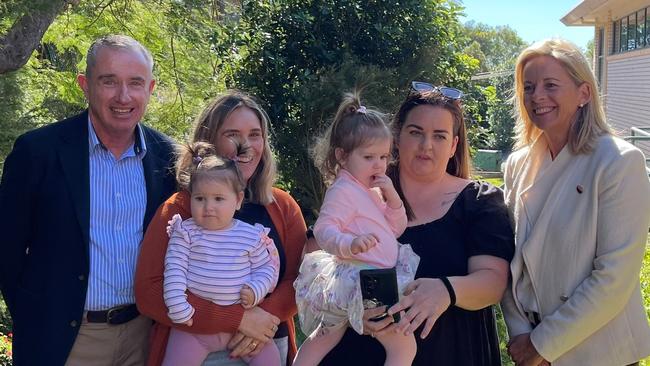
[583, 253]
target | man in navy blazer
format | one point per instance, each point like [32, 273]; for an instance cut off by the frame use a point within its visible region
[76, 198]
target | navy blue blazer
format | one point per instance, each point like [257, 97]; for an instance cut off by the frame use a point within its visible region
[44, 221]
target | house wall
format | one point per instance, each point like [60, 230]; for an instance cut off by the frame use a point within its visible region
[624, 84]
[607, 46]
[627, 98]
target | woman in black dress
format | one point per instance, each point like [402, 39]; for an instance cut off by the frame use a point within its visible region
[460, 230]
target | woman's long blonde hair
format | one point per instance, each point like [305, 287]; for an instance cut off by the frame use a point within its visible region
[590, 122]
[260, 184]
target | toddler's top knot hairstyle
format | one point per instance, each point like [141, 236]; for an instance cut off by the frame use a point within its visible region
[206, 164]
[354, 125]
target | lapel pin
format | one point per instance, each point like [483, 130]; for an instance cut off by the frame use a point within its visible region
[579, 189]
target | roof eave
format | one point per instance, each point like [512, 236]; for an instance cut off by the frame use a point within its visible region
[583, 14]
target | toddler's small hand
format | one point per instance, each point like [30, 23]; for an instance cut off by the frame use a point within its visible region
[363, 243]
[387, 188]
[189, 322]
[247, 297]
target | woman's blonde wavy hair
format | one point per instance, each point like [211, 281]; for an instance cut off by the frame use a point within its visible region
[590, 122]
[260, 185]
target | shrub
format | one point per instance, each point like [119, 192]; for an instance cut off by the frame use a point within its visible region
[5, 335]
[5, 318]
[5, 349]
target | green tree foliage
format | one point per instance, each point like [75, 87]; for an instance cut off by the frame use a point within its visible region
[190, 41]
[589, 52]
[19, 38]
[298, 57]
[499, 113]
[497, 49]
[307, 53]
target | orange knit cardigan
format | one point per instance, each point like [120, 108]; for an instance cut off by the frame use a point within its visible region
[211, 318]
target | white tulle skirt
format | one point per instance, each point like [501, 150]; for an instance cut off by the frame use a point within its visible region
[328, 291]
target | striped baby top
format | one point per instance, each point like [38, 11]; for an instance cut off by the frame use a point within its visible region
[216, 264]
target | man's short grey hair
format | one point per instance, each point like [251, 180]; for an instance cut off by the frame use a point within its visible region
[119, 42]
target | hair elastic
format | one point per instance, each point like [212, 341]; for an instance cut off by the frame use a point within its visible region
[362, 109]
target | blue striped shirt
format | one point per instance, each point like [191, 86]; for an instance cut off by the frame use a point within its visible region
[118, 199]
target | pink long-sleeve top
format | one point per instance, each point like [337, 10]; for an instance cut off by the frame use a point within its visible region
[350, 210]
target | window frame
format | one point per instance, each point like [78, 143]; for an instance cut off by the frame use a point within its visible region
[647, 25]
[641, 28]
[622, 44]
[631, 32]
[628, 34]
[600, 54]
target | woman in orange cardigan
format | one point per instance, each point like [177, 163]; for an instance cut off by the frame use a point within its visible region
[232, 117]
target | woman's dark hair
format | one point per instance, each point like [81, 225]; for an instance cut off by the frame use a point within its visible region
[460, 164]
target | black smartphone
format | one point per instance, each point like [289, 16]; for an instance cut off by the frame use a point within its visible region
[379, 288]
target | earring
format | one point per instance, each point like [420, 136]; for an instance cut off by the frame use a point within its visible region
[580, 105]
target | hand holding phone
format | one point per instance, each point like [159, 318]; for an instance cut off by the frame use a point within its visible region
[379, 288]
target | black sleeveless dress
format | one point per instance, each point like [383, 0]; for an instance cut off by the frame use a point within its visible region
[476, 224]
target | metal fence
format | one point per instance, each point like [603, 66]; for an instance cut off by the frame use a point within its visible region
[639, 134]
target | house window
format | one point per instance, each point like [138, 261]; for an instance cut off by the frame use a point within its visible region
[640, 28]
[599, 53]
[647, 27]
[623, 42]
[631, 32]
[616, 31]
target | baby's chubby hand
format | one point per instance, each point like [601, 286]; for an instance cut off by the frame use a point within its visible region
[189, 322]
[247, 297]
[363, 243]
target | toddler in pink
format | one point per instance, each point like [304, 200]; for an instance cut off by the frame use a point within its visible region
[361, 216]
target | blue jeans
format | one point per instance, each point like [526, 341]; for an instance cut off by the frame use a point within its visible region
[221, 358]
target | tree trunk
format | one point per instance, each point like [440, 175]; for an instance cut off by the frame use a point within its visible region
[17, 45]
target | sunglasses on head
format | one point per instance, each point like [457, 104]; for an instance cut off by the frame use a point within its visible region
[451, 93]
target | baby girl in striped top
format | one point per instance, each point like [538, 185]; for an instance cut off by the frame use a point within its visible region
[216, 257]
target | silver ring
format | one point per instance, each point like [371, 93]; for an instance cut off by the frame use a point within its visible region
[254, 344]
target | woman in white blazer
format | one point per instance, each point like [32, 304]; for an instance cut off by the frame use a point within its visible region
[579, 199]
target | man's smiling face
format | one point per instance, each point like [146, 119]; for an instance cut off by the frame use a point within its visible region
[118, 89]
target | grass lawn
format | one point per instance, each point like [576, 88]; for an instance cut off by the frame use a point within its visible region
[645, 289]
[645, 278]
[495, 181]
